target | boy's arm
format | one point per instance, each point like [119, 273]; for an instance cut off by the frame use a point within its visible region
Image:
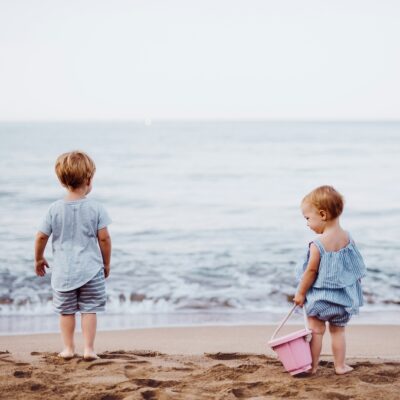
[40, 262]
[309, 276]
[105, 247]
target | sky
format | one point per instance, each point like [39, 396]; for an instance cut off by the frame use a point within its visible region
[204, 59]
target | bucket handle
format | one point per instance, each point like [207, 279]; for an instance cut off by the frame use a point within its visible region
[287, 317]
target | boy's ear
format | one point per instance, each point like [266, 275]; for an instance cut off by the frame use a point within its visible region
[323, 214]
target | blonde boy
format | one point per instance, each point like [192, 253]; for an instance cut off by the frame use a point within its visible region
[81, 249]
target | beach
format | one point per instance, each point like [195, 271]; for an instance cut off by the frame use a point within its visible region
[203, 362]
[206, 235]
[177, 147]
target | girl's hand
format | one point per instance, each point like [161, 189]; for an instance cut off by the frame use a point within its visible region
[40, 267]
[106, 271]
[299, 299]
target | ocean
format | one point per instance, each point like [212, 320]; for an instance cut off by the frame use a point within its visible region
[207, 227]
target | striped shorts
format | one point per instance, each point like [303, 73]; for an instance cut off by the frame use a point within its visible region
[326, 311]
[89, 298]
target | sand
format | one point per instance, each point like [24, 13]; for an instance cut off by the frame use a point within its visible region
[195, 363]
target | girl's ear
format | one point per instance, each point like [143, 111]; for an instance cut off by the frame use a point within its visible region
[323, 214]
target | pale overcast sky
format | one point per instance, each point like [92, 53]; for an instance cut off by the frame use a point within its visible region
[204, 59]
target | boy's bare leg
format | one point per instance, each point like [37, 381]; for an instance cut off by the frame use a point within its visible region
[89, 324]
[67, 326]
[318, 329]
[339, 349]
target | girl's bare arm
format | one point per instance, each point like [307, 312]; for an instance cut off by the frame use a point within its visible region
[309, 276]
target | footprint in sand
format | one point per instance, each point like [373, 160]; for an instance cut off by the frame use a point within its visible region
[35, 386]
[377, 379]
[129, 355]
[393, 363]
[226, 356]
[247, 368]
[137, 362]
[116, 355]
[110, 396]
[309, 388]
[130, 371]
[154, 383]
[260, 389]
[336, 396]
[4, 356]
[251, 389]
[240, 393]
[390, 373]
[3, 359]
[150, 395]
[130, 368]
[22, 374]
[363, 364]
[220, 372]
[99, 364]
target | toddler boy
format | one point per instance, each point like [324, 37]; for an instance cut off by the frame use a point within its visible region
[81, 248]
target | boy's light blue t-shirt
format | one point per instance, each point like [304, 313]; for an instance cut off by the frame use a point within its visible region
[76, 252]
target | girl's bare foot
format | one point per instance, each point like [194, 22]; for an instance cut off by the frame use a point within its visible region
[67, 354]
[90, 356]
[343, 370]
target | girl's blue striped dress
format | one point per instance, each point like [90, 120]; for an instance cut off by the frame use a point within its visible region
[336, 294]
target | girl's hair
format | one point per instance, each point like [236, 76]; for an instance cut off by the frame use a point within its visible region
[326, 198]
[74, 168]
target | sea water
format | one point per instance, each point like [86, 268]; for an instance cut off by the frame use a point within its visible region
[206, 227]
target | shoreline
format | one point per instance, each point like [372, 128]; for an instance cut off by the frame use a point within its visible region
[363, 341]
[48, 323]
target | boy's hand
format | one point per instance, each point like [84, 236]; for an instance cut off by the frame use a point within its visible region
[106, 271]
[40, 267]
[299, 299]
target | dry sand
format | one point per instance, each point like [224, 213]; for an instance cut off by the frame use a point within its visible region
[195, 363]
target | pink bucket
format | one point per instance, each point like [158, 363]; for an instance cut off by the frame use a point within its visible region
[294, 349]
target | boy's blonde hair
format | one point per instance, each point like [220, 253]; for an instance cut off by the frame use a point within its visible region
[326, 198]
[74, 168]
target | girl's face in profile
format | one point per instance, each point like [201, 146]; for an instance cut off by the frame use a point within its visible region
[316, 219]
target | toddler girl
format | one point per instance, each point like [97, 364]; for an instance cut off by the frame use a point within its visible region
[330, 277]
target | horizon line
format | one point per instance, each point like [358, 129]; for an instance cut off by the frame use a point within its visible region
[149, 121]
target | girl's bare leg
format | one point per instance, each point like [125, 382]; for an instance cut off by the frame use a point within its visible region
[339, 349]
[89, 324]
[318, 329]
[67, 326]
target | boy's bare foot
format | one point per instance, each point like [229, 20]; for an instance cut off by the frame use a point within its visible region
[343, 370]
[90, 356]
[67, 354]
